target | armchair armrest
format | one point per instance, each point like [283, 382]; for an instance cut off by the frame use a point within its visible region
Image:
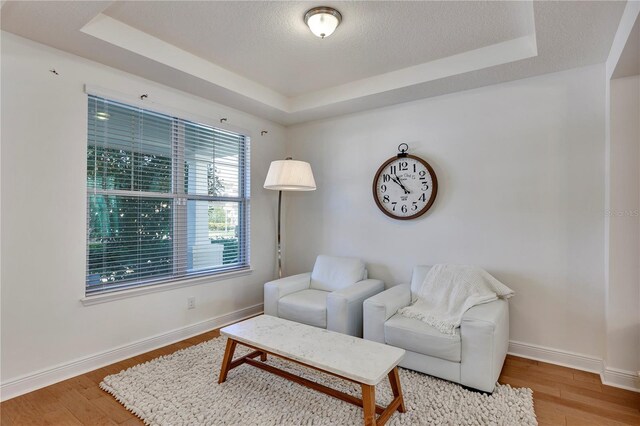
[379, 308]
[344, 307]
[484, 334]
[277, 289]
[485, 315]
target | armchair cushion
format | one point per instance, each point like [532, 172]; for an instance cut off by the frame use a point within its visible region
[275, 290]
[305, 306]
[417, 336]
[332, 273]
[417, 277]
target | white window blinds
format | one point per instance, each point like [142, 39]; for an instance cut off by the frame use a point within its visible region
[167, 198]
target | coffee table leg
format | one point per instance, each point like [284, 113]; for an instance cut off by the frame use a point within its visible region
[263, 356]
[226, 361]
[369, 404]
[394, 381]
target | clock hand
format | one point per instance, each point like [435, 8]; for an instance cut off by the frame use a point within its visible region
[399, 182]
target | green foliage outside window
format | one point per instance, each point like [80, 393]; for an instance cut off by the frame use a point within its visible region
[131, 237]
[231, 249]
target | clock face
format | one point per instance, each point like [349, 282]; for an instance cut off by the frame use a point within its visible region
[405, 187]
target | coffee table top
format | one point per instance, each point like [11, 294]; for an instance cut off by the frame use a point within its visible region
[353, 358]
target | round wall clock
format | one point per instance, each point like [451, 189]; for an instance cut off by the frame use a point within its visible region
[405, 186]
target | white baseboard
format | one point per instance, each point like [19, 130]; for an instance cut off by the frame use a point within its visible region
[556, 356]
[48, 376]
[30, 382]
[608, 375]
[621, 379]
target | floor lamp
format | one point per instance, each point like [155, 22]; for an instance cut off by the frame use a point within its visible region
[288, 175]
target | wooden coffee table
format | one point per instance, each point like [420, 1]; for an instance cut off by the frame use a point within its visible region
[350, 358]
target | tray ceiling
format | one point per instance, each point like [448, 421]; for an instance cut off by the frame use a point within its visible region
[261, 58]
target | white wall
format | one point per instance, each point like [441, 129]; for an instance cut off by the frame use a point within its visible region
[44, 137]
[521, 193]
[521, 172]
[622, 226]
[623, 301]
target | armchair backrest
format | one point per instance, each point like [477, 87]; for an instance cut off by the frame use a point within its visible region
[331, 273]
[418, 276]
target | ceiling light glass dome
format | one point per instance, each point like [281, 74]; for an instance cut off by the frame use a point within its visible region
[322, 21]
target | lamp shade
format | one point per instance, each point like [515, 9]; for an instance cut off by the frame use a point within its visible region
[290, 175]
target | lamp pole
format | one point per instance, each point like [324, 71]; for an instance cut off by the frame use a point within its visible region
[279, 243]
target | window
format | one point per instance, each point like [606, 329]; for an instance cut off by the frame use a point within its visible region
[167, 198]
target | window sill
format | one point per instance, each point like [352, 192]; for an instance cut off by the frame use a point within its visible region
[135, 292]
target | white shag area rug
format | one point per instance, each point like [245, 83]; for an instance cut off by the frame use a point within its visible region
[182, 389]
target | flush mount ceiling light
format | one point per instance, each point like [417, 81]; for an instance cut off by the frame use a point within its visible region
[323, 20]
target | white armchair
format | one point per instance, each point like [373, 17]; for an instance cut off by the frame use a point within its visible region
[472, 357]
[330, 297]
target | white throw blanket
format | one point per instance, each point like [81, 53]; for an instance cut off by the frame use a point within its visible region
[448, 291]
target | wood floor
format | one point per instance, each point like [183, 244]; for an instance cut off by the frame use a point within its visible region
[562, 396]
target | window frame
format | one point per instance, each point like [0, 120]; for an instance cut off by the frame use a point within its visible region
[180, 198]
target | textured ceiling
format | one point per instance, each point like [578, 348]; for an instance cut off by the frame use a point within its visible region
[269, 42]
[260, 58]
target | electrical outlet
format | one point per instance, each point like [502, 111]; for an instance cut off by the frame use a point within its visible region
[191, 303]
